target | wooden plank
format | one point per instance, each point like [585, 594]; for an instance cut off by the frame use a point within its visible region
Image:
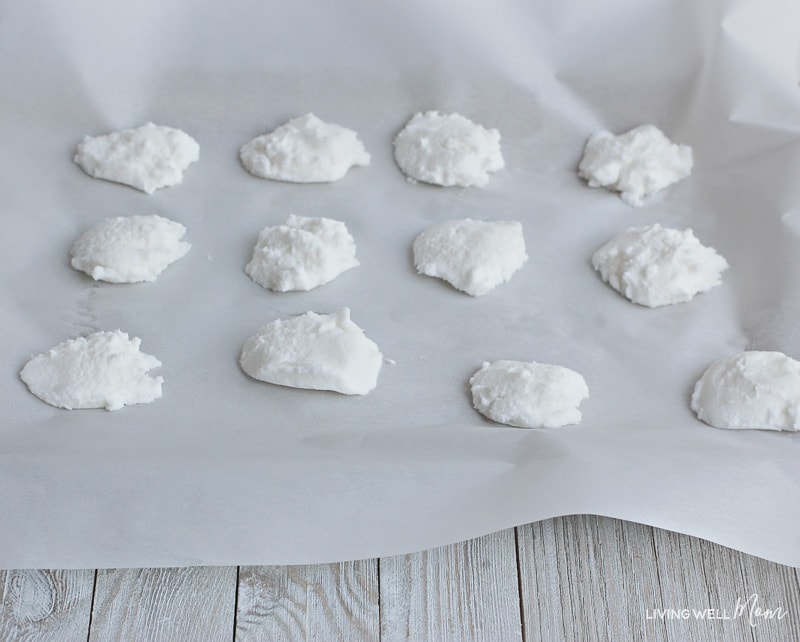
[46, 605]
[588, 578]
[320, 602]
[462, 592]
[699, 575]
[164, 604]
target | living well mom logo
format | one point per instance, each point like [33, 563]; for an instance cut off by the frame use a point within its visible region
[749, 608]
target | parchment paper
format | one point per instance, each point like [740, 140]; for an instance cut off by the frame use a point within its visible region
[227, 470]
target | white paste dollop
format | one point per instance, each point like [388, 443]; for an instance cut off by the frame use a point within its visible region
[147, 158]
[750, 390]
[528, 394]
[655, 265]
[447, 149]
[103, 370]
[637, 163]
[129, 249]
[304, 150]
[315, 351]
[473, 256]
[301, 254]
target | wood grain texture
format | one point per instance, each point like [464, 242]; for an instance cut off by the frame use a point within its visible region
[588, 578]
[462, 592]
[697, 574]
[322, 602]
[45, 605]
[580, 578]
[594, 578]
[164, 604]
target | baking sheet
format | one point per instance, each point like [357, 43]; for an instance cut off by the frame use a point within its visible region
[226, 470]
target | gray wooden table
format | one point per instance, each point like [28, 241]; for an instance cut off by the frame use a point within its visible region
[570, 578]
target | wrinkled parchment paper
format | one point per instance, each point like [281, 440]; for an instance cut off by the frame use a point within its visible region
[227, 470]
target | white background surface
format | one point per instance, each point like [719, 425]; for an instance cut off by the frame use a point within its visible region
[226, 470]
